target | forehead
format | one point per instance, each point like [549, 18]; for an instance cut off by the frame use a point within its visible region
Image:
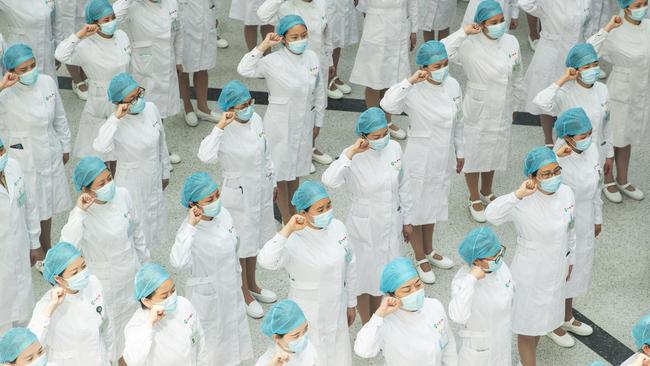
[296, 29]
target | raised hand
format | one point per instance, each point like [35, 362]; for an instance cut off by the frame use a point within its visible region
[527, 188]
[388, 306]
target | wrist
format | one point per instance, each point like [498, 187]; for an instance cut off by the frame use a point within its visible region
[518, 195]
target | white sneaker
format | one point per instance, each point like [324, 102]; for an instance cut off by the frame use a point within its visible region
[614, 197]
[83, 95]
[39, 266]
[174, 158]
[344, 88]
[444, 263]
[398, 134]
[322, 158]
[213, 117]
[581, 330]
[478, 216]
[266, 296]
[191, 119]
[312, 169]
[487, 199]
[426, 277]
[636, 195]
[565, 341]
[334, 94]
[222, 43]
[532, 44]
[254, 310]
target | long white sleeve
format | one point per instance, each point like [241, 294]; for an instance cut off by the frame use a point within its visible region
[73, 230]
[571, 239]
[369, 341]
[272, 254]
[608, 136]
[202, 357]
[178, 42]
[405, 199]
[412, 14]
[268, 162]
[514, 8]
[209, 147]
[268, 11]
[165, 163]
[319, 102]
[121, 10]
[462, 295]
[250, 66]
[499, 211]
[351, 280]
[452, 45]
[181, 254]
[139, 240]
[449, 353]
[40, 322]
[459, 130]
[336, 174]
[104, 142]
[546, 99]
[531, 7]
[138, 340]
[394, 101]
[598, 41]
[32, 221]
[518, 88]
[598, 208]
[65, 51]
[60, 124]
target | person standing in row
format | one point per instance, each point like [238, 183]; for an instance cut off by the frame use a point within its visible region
[343, 24]
[510, 12]
[69, 16]
[246, 11]
[436, 16]
[19, 346]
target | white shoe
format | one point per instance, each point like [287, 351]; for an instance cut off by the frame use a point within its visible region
[636, 195]
[581, 330]
[444, 263]
[532, 44]
[222, 43]
[334, 94]
[213, 117]
[39, 266]
[266, 296]
[312, 169]
[322, 158]
[614, 197]
[83, 95]
[344, 88]
[254, 310]
[602, 74]
[565, 341]
[426, 277]
[398, 134]
[478, 216]
[191, 119]
[174, 158]
[487, 199]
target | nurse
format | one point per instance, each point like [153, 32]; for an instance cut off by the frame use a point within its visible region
[135, 135]
[246, 11]
[238, 143]
[205, 250]
[20, 347]
[481, 301]
[625, 43]
[70, 319]
[432, 100]
[389, 34]
[199, 33]
[69, 16]
[35, 127]
[562, 24]
[510, 12]
[103, 51]
[166, 330]
[490, 98]
[19, 230]
[343, 25]
[105, 226]
[641, 335]
[296, 102]
[380, 215]
[313, 248]
[409, 328]
[288, 329]
[435, 16]
[542, 210]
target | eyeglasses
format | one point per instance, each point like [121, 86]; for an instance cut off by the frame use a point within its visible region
[548, 174]
[246, 105]
[499, 256]
[139, 95]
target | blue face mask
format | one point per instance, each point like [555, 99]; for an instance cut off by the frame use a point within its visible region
[440, 75]
[246, 113]
[494, 266]
[170, 303]
[590, 76]
[212, 209]
[108, 28]
[552, 184]
[29, 78]
[379, 144]
[79, 281]
[41, 361]
[414, 301]
[584, 144]
[323, 220]
[3, 161]
[298, 345]
[496, 31]
[138, 106]
[639, 14]
[106, 193]
[297, 47]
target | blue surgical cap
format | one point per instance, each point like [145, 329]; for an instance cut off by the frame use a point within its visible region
[572, 122]
[234, 93]
[580, 55]
[395, 273]
[486, 10]
[430, 53]
[2, 144]
[14, 342]
[287, 22]
[480, 243]
[624, 3]
[196, 187]
[307, 194]
[16, 54]
[86, 171]
[282, 318]
[597, 363]
[120, 86]
[57, 260]
[537, 158]
[641, 332]
[370, 121]
[97, 9]
[148, 278]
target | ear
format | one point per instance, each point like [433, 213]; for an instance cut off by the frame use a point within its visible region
[59, 280]
[646, 349]
[146, 302]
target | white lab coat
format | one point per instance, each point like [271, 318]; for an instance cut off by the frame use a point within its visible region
[322, 278]
[600, 13]
[19, 232]
[381, 206]
[383, 56]
[307, 357]
[510, 10]
[207, 254]
[423, 337]
[30, 22]
[244, 155]
[546, 243]
[555, 100]
[79, 331]
[33, 116]
[435, 141]
[296, 105]
[101, 59]
[583, 174]
[246, 11]
[157, 47]
[483, 308]
[627, 48]
[436, 15]
[343, 23]
[177, 339]
[199, 20]
[69, 17]
[111, 239]
[630, 361]
[562, 28]
[490, 96]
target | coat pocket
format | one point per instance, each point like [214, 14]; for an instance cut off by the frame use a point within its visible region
[141, 57]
